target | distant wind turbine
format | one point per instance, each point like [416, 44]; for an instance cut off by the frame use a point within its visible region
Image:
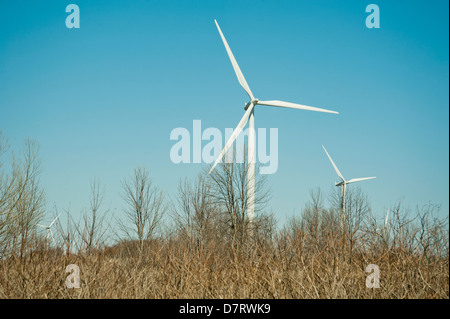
[250, 118]
[343, 184]
[48, 228]
[384, 229]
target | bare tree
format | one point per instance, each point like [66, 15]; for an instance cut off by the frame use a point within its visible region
[196, 213]
[69, 234]
[145, 206]
[430, 230]
[229, 191]
[9, 194]
[92, 230]
[21, 199]
[312, 214]
[357, 210]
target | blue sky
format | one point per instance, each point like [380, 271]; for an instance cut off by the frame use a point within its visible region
[104, 98]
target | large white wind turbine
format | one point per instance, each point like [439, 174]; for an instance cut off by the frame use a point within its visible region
[49, 230]
[343, 184]
[250, 118]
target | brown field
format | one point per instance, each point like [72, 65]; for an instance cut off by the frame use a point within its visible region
[202, 245]
[297, 266]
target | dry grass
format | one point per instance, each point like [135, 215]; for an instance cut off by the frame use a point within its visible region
[173, 268]
[211, 250]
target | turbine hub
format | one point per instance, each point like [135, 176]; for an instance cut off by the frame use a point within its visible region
[254, 102]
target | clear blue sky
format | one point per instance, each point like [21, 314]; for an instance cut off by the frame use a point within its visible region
[104, 98]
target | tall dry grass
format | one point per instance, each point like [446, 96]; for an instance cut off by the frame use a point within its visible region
[295, 263]
[211, 250]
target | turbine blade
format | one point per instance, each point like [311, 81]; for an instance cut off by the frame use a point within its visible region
[294, 106]
[237, 70]
[334, 165]
[51, 224]
[52, 236]
[41, 226]
[233, 136]
[359, 179]
[387, 217]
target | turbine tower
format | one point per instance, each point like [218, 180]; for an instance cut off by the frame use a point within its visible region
[249, 116]
[49, 230]
[343, 184]
[384, 229]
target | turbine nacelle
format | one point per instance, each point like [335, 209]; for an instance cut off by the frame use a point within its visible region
[254, 102]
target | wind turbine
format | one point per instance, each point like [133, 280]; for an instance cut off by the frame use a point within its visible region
[49, 230]
[385, 228]
[343, 184]
[249, 117]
